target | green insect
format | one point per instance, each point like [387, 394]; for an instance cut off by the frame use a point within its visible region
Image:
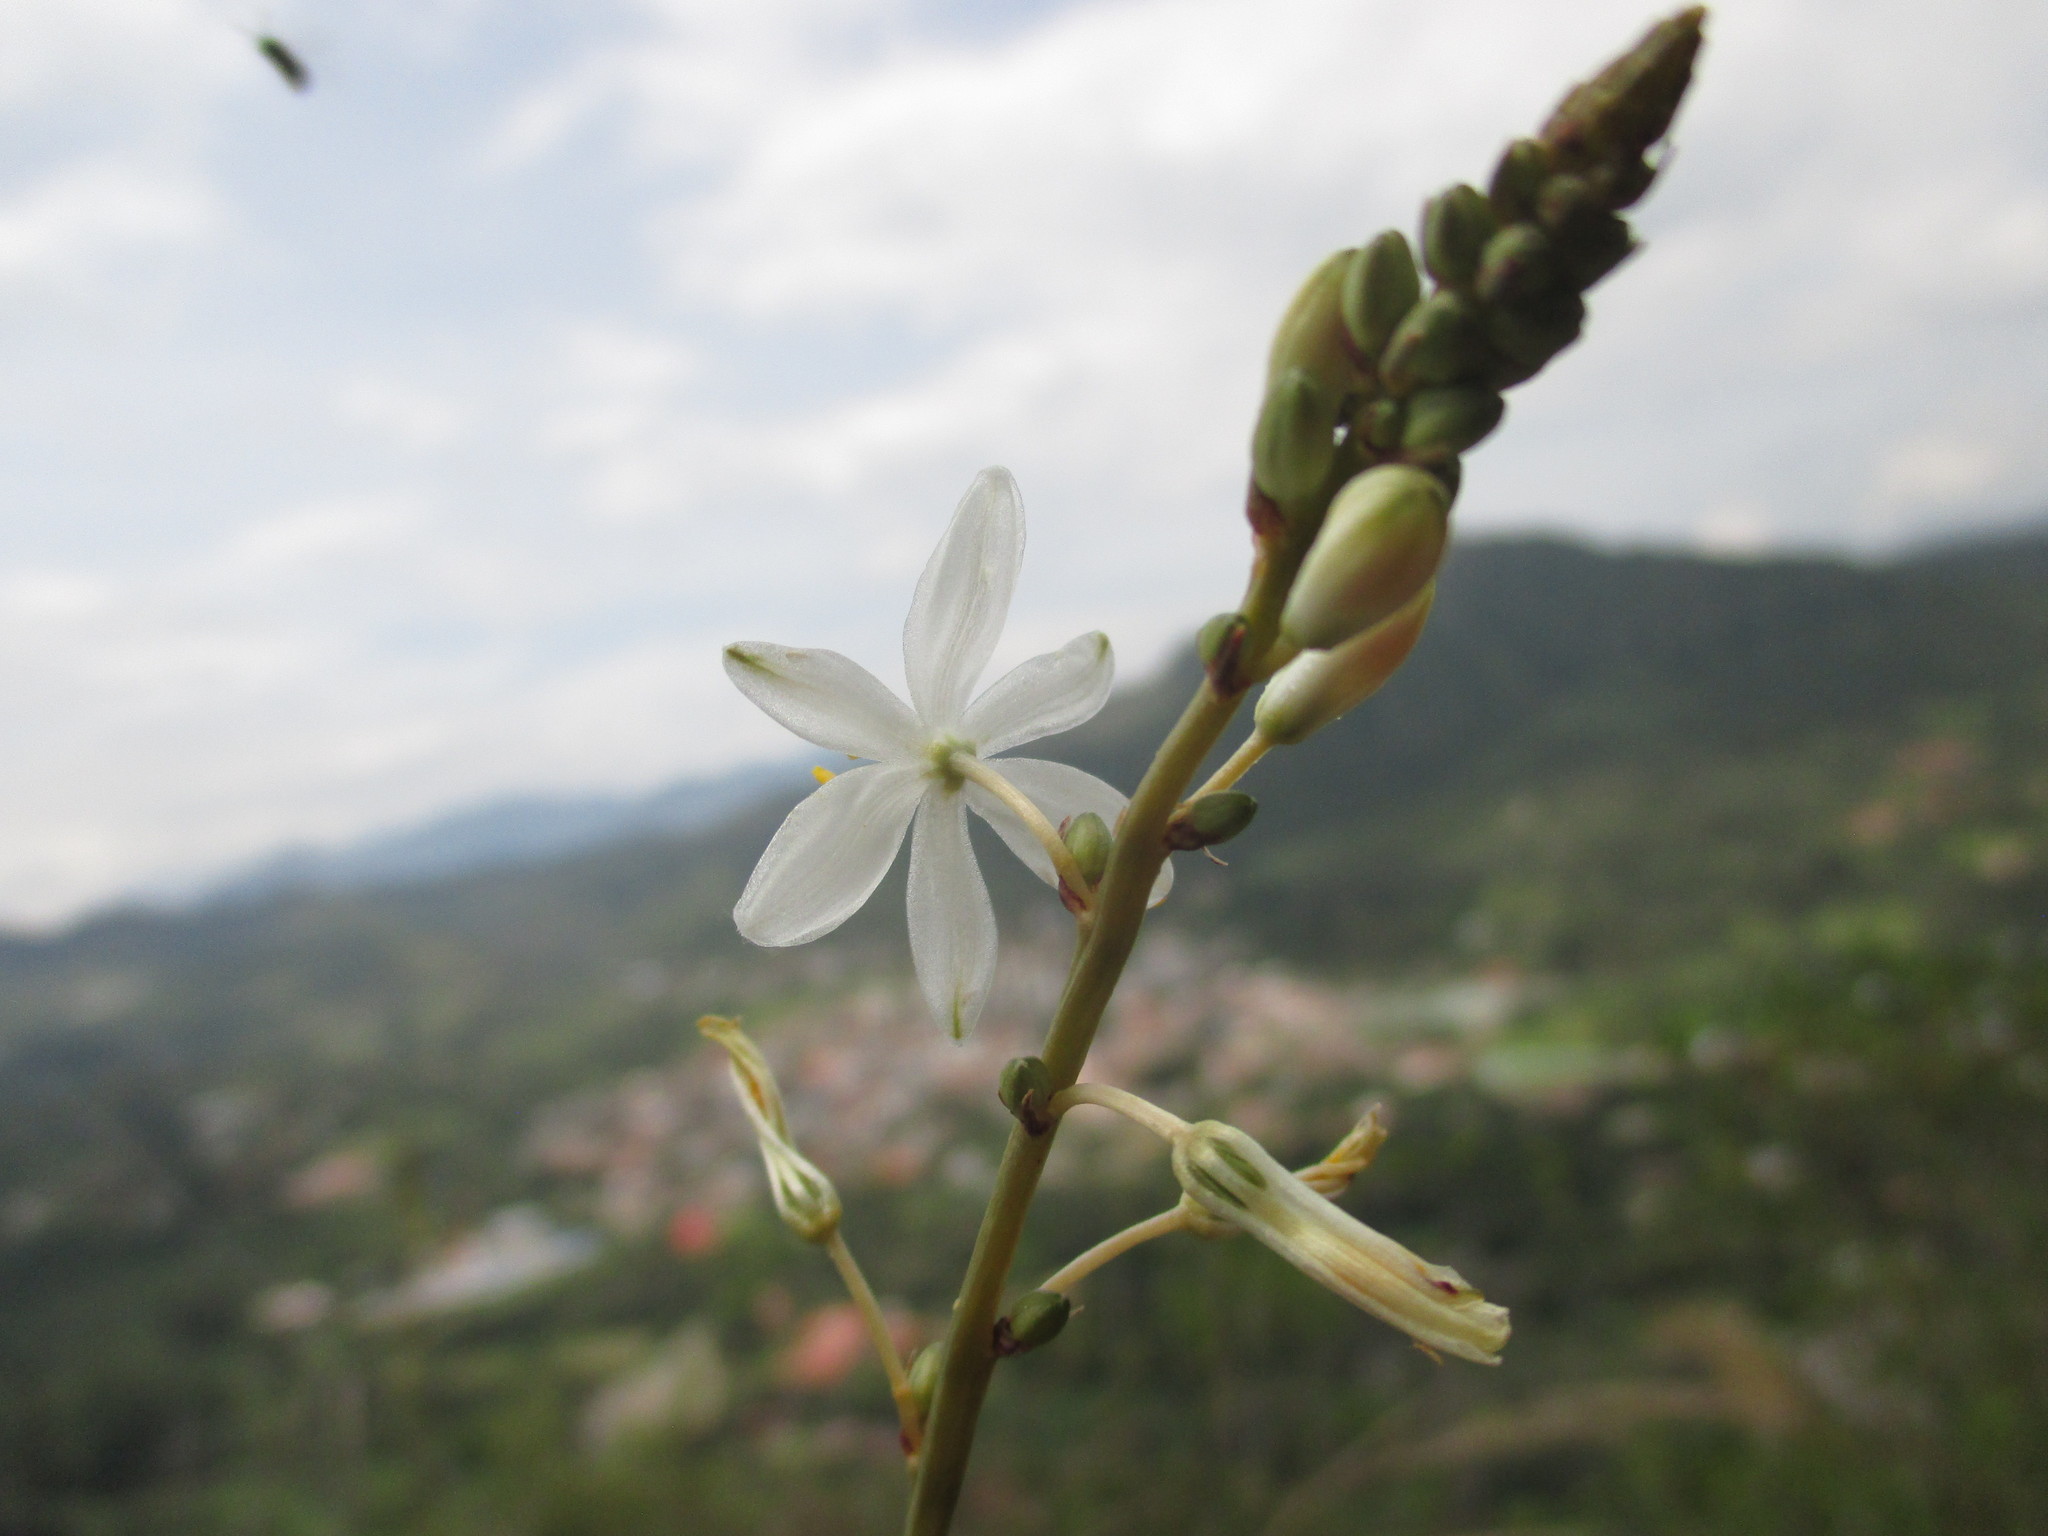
[289, 66]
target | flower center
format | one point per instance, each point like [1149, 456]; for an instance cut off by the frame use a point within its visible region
[941, 753]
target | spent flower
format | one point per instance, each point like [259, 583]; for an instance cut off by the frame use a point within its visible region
[1235, 1180]
[804, 1197]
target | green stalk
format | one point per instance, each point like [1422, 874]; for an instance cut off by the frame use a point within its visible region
[1105, 949]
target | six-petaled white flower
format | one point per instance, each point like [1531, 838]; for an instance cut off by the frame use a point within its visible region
[836, 846]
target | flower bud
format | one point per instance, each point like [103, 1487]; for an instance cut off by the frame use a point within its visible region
[1379, 424]
[1594, 245]
[1380, 286]
[1456, 224]
[1380, 544]
[1035, 1321]
[1311, 335]
[1211, 638]
[1531, 334]
[1295, 437]
[1209, 820]
[1622, 183]
[1219, 643]
[1442, 423]
[1088, 839]
[1439, 342]
[1320, 686]
[1025, 1088]
[924, 1374]
[1519, 262]
[804, 1198]
[1517, 179]
[1236, 1180]
[1629, 105]
[1567, 201]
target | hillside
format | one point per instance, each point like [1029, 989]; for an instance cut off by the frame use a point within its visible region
[1690, 912]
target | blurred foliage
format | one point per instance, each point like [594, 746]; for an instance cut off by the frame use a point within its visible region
[1760, 1170]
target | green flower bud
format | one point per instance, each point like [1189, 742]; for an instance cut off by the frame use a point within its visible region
[1629, 105]
[1320, 686]
[1456, 224]
[1517, 179]
[1623, 183]
[1215, 634]
[1025, 1089]
[1440, 342]
[1445, 421]
[1566, 202]
[1210, 820]
[1219, 644]
[1311, 335]
[1531, 334]
[1594, 245]
[1380, 544]
[1295, 438]
[1088, 839]
[924, 1373]
[1380, 424]
[1380, 286]
[1035, 1321]
[1519, 262]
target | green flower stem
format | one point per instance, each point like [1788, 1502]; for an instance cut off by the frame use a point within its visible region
[1166, 1126]
[1115, 1247]
[878, 1331]
[1236, 766]
[975, 771]
[1105, 949]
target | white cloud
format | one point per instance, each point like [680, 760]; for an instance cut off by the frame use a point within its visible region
[80, 224]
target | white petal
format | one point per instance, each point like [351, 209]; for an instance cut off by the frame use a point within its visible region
[1059, 791]
[1043, 696]
[952, 925]
[829, 855]
[825, 698]
[963, 598]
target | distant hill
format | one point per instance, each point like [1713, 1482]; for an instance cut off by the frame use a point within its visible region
[1593, 759]
[528, 829]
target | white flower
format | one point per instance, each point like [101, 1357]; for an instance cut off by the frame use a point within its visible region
[829, 856]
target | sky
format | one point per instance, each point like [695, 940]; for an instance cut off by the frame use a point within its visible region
[420, 439]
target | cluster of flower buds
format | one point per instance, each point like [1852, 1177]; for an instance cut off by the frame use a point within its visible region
[1376, 387]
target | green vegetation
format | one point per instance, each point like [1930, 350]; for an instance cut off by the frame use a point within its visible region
[1752, 1138]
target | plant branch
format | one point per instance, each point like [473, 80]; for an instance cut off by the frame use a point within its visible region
[1239, 763]
[1161, 1123]
[1120, 904]
[878, 1332]
[1115, 1247]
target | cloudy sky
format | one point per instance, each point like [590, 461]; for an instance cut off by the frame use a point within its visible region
[418, 440]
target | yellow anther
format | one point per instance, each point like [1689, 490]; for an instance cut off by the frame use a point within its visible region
[823, 775]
